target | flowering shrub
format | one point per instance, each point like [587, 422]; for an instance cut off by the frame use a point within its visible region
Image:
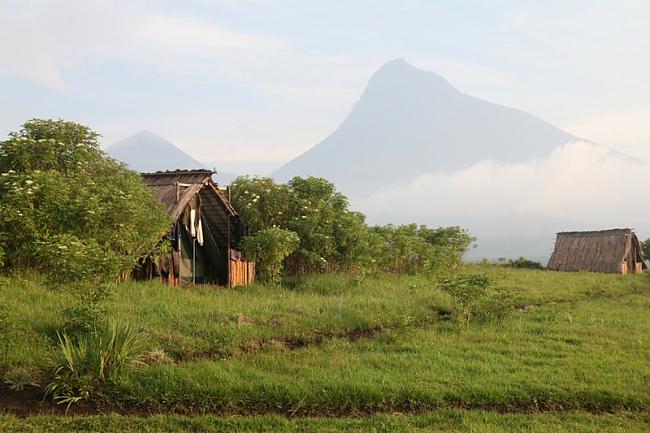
[66, 207]
[332, 237]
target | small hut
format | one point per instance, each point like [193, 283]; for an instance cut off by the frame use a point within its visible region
[615, 251]
[205, 234]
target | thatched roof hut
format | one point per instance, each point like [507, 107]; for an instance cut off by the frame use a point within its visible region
[612, 251]
[206, 231]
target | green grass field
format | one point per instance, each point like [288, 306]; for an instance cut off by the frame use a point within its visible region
[443, 421]
[547, 352]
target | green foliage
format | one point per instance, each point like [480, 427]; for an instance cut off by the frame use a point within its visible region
[269, 247]
[524, 263]
[68, 209]
[89, 309]
[332, 237]
[380, 343]
[645, 246]
[92, 360]
[467, 290]
[44, 145]
[18, 378]
[65, 257]
[441, 420]
[413, 249]
[4, 319]
[260, 201]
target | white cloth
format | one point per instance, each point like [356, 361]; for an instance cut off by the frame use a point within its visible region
[193, 222]
[199, 233]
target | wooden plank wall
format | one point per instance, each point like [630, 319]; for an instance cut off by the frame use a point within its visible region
[241, 273]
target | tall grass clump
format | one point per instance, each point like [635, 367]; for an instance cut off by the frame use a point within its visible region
[467, 290]
[18, 378]
[91, 360]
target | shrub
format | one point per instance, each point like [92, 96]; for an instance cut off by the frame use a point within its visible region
[91, 360]
[335, 238]
[18, 378]
[415, 249]
[467, 290]
[68, 209]
[66, 258]
[524, 263]
[269, 248]
[332, 237]
[89, 309]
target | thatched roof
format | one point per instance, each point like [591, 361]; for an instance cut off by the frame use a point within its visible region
[598, 251]
[174, 189]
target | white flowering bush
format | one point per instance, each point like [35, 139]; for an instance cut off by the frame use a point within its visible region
[331, 236]
[69, 210]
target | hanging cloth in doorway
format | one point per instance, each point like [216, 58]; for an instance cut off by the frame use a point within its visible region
[192, 219]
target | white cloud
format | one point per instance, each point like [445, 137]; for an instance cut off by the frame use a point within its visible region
[581, 183]
[51, 38]
[613, 128]
[191, 34]
[47, 36]
[41, 38]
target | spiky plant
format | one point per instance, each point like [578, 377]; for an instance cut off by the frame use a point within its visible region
[93, 359]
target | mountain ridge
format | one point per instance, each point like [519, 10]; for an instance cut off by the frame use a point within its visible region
[409, 122]
[145, 151]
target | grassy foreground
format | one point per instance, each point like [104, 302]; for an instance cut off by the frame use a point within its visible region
[335, 346]
[445, 421]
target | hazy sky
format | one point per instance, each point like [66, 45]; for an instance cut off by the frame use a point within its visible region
[240, 80]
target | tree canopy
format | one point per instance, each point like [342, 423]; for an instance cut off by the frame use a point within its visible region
[68, 209]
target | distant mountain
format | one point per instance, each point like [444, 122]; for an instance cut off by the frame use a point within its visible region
[148, 152]
[409, 122]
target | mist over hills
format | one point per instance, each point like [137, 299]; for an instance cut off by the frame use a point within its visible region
[409, 122]
[415, 149]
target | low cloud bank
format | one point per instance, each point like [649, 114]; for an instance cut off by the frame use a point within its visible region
[515, 209]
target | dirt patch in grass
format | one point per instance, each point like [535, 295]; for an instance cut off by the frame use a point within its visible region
[21, 403]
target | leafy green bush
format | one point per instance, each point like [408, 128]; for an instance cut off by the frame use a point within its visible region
[89, 309]
[645, 246]
[269, 248]
[524, 263]
[413, 249]
[91, 360]
[334, 238]
[68, 209]
[66, 258]
[331, 236]
[467, 290]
